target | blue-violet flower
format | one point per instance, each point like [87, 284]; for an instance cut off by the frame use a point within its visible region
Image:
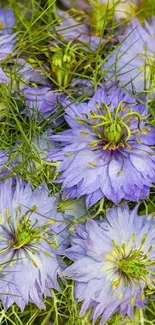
[107, 150]
[114, 263]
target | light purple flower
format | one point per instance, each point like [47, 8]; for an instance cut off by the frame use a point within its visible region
[33, 236]
[122, 9]
[7, 43]
[41, 96]
[75, 26]
[23, 73]
[43, 101]
[132, 62]
[7, 21]
[5, 165]
[114, 264]
[107, 150]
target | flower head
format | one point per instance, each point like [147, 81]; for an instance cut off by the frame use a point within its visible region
[33, 235]
[107, 150]
[132, 62]
[114, 263]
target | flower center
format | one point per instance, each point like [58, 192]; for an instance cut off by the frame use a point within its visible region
[113, 133]
[63, 65]
[131, 266]
[115, 128]
[20, 233]
[25, 232]
[23, 235]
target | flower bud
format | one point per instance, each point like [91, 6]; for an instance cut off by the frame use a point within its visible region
[63, 63]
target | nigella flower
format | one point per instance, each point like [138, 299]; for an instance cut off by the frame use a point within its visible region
[82, 27]
[5, 164]
[23, 73]
[42, 97]
[132, 62]
[47, 102]
[32, 236]
[99, 12]
[43, 101]
[7, 43]
[114, 263]
[7, 21]
[107, 150]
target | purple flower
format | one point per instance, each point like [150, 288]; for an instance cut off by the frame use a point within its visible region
[114, 264]
[22, 73]
[76, 208]
[107, 150]
[5, 164]
[7, 43]
[43, 101]
[47, 102]
[7, 21]
[40, 95]
[132, 63]
[82, 27]
[119, 9]
[37, 91]
[33, 235]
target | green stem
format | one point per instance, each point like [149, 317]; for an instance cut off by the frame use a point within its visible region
[54, 11]
[100, 209]
[141, 316]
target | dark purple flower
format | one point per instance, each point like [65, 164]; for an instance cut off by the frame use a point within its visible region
[114, 264]
[107, 150]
